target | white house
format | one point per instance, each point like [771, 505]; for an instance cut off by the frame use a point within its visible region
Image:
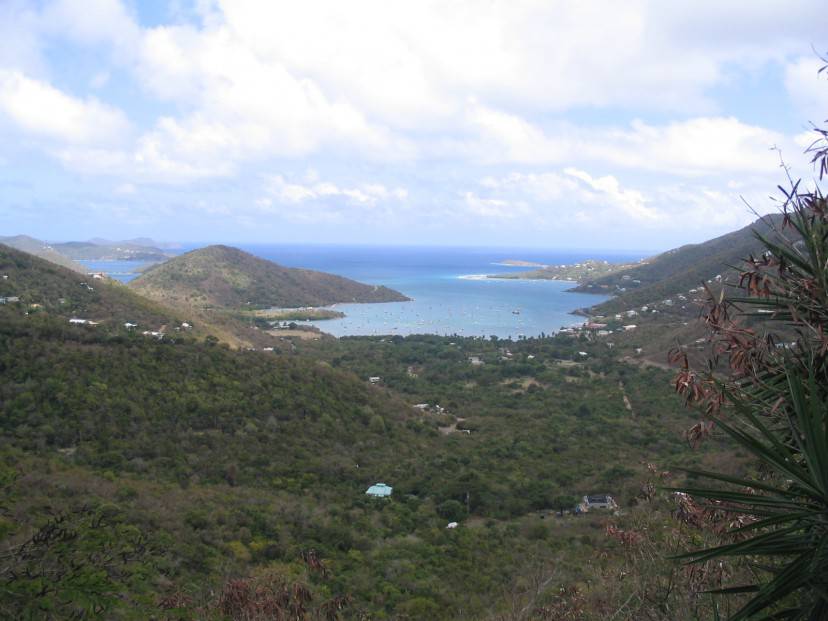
[452, 525]
[375, 379]
[598, 501]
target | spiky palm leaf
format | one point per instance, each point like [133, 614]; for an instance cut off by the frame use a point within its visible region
[789, 509]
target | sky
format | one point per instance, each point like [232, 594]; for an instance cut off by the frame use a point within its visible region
[555, 124]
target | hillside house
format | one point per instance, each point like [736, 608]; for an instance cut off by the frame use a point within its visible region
[475, 361]
[376, 379]
[379, 490]
[9, 299]
[83, 322]
[598, 501]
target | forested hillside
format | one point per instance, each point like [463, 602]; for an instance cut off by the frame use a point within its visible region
[679, 270]
[228, 278]
[41, 249]
[44, 287]
[203, 464]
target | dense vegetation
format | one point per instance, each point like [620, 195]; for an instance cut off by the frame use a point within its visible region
[44, 287]
[243, 473]
[228, 278]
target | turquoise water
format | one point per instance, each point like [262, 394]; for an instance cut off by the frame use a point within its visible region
[451, 305]
[444, 299]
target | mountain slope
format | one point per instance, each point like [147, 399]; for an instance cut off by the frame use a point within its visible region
[43, 250]
[102, 250]
[63, 293]
[66, 294]
[228, 278]
[679, 270]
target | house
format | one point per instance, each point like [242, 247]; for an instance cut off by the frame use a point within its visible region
[583, 354]
[85, 322]
[9, 300]
[379, 490]
[375, 379]
[598, 501]
[452, 525]
[421, 406]
[130, 326]
[629, 326]
[97, 275]
[475, 361]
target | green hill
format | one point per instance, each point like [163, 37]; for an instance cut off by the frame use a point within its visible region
[679, 270]
[43, 250]
[101, 250]
[44, 287]
[227, 278]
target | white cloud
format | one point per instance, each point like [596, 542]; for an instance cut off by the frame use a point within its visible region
[808, 88]
[43, 110]
[554, 199]
[492, 208]
[364, 195]
[631, 202]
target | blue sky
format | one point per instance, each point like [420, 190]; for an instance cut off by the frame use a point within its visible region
[636, 125]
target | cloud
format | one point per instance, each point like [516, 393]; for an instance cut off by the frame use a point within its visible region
[364, 195]
[40, 109]
[808, 88]
[554, 199]
[701, 145]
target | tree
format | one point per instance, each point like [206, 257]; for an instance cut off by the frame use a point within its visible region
[563, 502]
[766, 387]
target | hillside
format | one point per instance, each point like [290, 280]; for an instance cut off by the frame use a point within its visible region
[43, 250]
[221, 277]
[677, 271]
[102, 250]
[47, 288]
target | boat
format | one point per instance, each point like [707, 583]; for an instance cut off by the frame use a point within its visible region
[516, 312]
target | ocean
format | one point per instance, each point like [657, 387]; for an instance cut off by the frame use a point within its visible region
[449, 295]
